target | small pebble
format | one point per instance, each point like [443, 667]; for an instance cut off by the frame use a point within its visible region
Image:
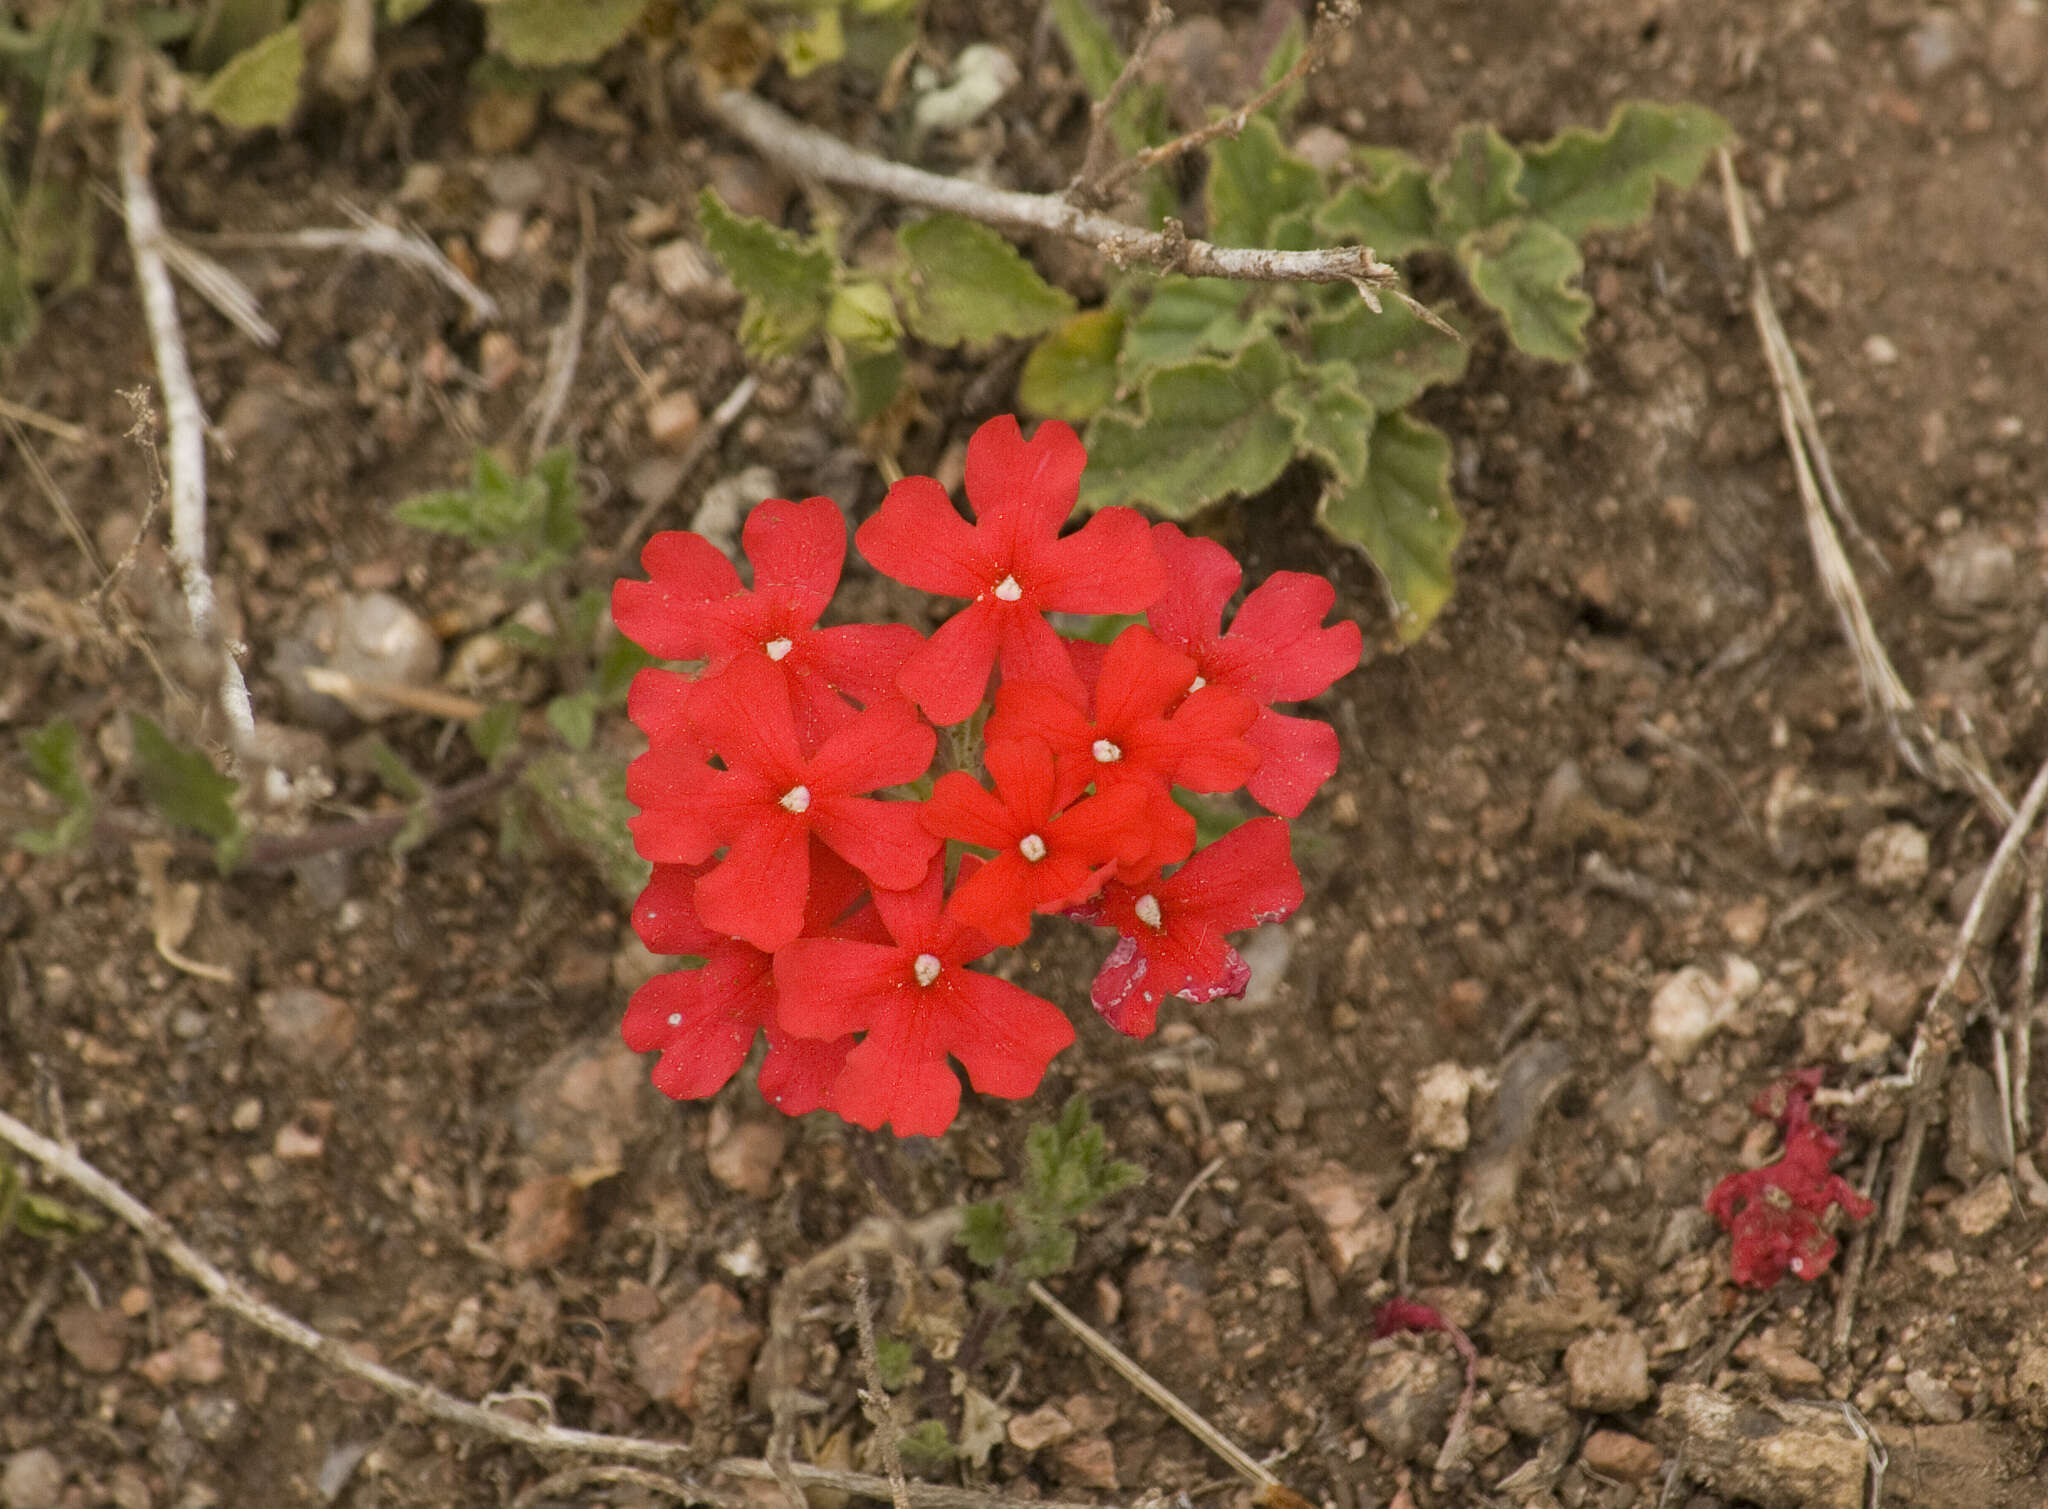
[1617, 1454]
[543, 1221]
[1940, 1401]
[1935, 45]
[1607, 1371]
[1892, 860]
[97, 1340]
[1982, 1210]
[672, 420]
[32, 1479]
[1691, 1006]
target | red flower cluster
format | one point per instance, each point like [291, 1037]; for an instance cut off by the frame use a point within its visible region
[789, 858]
[1774, 1213]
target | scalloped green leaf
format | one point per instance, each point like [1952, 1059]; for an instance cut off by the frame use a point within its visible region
[1581, 180]
[962, 283]
[1391, 212]
[872, 380]
[1202, 431]
[1524, 269]
[181, 783]
[1071, 372]
[1332, 419]
[1394, 355]
[786, 279]
[1255, 182]
[1477, 187]
[558, 33]
[583, 797]
[1401, 514]
[258, 86]
[1190, 317]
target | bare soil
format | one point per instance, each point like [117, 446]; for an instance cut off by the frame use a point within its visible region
[1635, 742]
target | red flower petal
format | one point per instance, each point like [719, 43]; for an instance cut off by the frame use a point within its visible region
[887, 745]
[919, 538]
[1106, 566]
[1007, 1036]
[758, 891]
[665, 916]
[892, 1077]
[826, 987]
[658, 702]
[664, 614]
[744, 714]
[798, 1073]
[1201, 578]
[948, 674]
[864, 660]
[1027, 488]
[701, 1021]
[796, 546]
[1296, 755]
[886, 841]
[1284, 616]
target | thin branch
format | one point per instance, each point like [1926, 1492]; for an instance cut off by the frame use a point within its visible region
[1929, 755]
[814, 154]
[183, 415]
[1330, 19]
[542, 1440]
[565, 343]
[372, 237]
[35, 419]
[2021, 1131]
[874, 1397]
[1087, 188]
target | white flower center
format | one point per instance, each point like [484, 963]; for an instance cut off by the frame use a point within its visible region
[1032, 847]
[777, 648]
[1107, 753]
[797, 799]
[1198, 683]
[675, 1019]
[1008, 590]
[1148, 910]
[926, 967]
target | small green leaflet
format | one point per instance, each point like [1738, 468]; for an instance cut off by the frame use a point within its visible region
[872, 380]
[1203, 430]
[258, 86]
[181, 783]
[558, 33]
[583, 798]
[1402, 516]
[1332, 420]
[1477, 187]
[1579, 181]
[1254, 182]
[535, 518]
[1395, 356]
[54, 764]
[1096, 56]
[1071, 372]
[787, 281]
[963, 283]
[1190, 317]
[574, 716]
[494, 733]
[1525, 269]
[1391, 212]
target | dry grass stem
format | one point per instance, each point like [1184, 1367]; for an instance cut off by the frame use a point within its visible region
[875, 1400]
[35, 419]
[372, 237]
[1855, 1260]
[183, 415]
[1239, 1460]
[357, 690]
[810, 153]
[1926, 752]
[2020, 1018]
[565, 342]
[228, 294]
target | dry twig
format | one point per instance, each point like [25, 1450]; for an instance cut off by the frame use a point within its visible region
[811, 153]
[35, 419]
[874, 1398]
[372, 237]
[185, 418]
[1086, 187]
[565, 342]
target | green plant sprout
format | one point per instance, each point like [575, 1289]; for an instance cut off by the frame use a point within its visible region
[39, 1216]
[1028, 1233]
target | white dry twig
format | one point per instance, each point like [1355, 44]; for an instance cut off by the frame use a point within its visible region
[543, 1440]
[814, 154]
[565, 342]
[182, 412]
[372, 237]
[1929, 755]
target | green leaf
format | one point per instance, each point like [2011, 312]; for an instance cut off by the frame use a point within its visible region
[1580, 181]
[619, 662]
[53, 761]
[1285, 53]
[574, 717]
[985, 1232]
[787, 281]
[1402, 516]
[813, 44]
[925, 1446]
[1525, 269]
[561, 512]
[1476, 188]
[873, 379]
[1071, 372]
[1190, 317]
[1086, 35]
[1392, 213]
[893, 1361]
[964, 283]
[862, 316]
[494, 733]
[396, 776]
[1395, 356]
[258, 86]
[229, 27]
[1254, 181]
[584, 797]
[398, 12]
[1214, 815]
[181, 783]
[1333, 421]
[558, 33]
[1204, 429]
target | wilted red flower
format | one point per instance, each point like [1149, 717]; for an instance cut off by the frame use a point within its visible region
[770, 798]
[1277, 650]
[1173, 929]
[1774, 1213]
[1046, 857]
[1132, 740]
[1012, 564]
[693, 607]
[918, 1004]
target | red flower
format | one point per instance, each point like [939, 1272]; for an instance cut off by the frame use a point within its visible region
[1012, 564]
[694, 608]
[1173, 929]
[918, 1004]
[703, 1021]
[769, 799]
[1045, 858]
[1774, 1213]
[1132, 741]
[1277, 650]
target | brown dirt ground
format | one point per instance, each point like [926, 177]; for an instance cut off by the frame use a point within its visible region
[1636, 596]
